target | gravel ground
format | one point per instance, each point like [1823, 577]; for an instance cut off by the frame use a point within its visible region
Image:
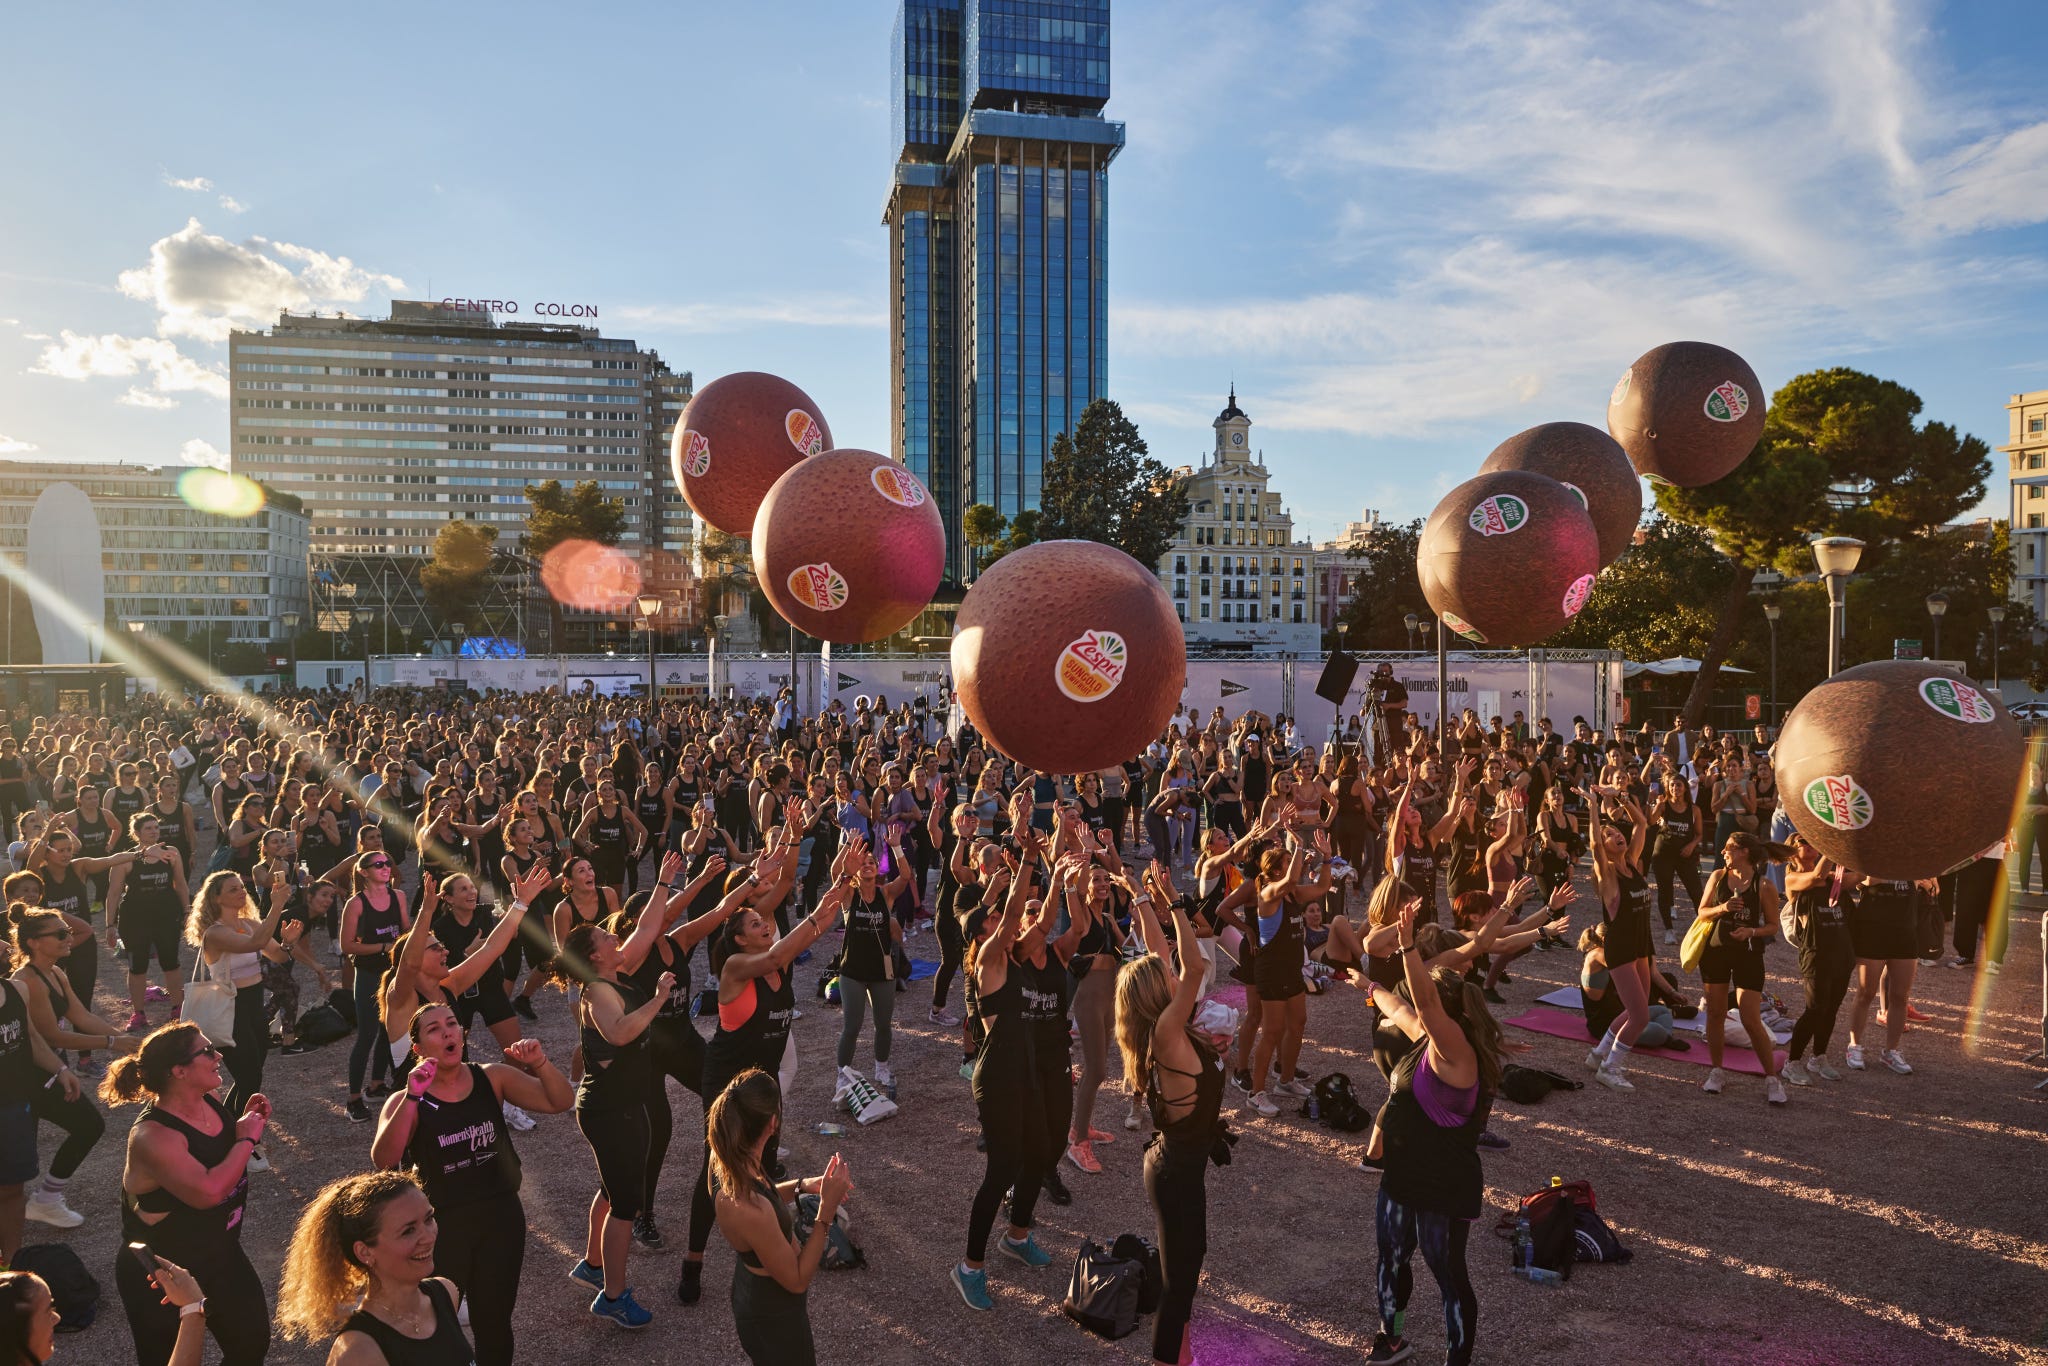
[1879, 1219]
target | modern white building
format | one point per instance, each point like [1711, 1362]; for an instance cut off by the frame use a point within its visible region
[2026, 451]
[1238, 577]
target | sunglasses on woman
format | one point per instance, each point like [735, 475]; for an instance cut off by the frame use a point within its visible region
[378, 863]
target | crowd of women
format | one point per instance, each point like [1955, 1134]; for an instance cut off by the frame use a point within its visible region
[460, 853]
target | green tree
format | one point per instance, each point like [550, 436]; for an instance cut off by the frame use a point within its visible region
[458, 569]
[1661, 598]
[1387, 590]
[555, 515]
[1101, 484]
[982, 527]
[1840, 455]
[1025, 528]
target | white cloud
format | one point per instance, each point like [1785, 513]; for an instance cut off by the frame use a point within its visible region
[819, 311]
[77, 357]
[204, 285]
[9, 446]
[202, 452]
[232, 204]
[146, 398]
[197, 183]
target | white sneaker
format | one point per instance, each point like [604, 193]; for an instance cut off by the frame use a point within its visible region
[1854, 1055]
[1795, 1072]
[1671, 936]
[1612, 1079]
[883, 1076]
[1135, 1120]
[1820, 1067]
[1595, 1060]
[518, 1118]
[47, 1207]
[1712, 1085]
[1774, 1090]
[1258, 1103]
[1897, 1062]
[1299, 1090]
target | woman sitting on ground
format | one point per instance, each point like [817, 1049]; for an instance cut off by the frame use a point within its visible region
[1603, 1007]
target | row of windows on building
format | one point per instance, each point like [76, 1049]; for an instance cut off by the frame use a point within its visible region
[447, 358]
[429, 409]
[1233, 535]
[368, 444]
[282, 386]
[476, 428]
[1239, 611]
[1239, 565]
[383, 372]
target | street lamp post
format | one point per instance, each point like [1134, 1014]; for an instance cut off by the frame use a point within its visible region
[1337, 722]
[650, 608]
[1411, 621]
[1772, 611]
[1997, 615]
[1836, 557]
[461, 630]
[1937, 607]
[291, 635]
[368, 616]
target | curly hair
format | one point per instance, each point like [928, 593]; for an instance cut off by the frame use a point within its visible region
[206, 906]
[322, 1278]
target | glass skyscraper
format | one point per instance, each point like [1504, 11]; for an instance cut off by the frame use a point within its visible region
[998, 221]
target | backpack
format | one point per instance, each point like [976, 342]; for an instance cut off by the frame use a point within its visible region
[841, 1252]
[344, 1002]
[1336, 1105]
[1529, 1085]
[1102, 1292]
[1133, 1247]
[322, 1025]
[73, 1290]
[1565, 1226]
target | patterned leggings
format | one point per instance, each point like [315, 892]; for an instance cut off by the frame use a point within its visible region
[284, 994]
[1443, 1247]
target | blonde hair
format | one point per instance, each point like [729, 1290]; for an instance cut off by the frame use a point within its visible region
[1144, 988]
[322, 1278]
[1385, 907]
[737, 1119]
[206, 906]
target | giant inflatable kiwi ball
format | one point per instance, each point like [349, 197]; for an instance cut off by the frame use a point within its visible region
[737, 435]
[1508, 558]
[1687, 413]
[848, 546]
[1592, 465]
[1068, 657]
[1899, 769]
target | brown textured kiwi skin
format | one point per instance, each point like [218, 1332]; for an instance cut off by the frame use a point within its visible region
[1590, 460]
[1510, 587]
[743, 416]
[1659, 414]
[827, 510]
[1013, 626]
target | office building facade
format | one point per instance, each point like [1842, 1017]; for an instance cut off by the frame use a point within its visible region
[998, 219]
[168, 564]
[2026, 453]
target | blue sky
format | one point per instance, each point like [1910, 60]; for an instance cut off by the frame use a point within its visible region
[1406, 230]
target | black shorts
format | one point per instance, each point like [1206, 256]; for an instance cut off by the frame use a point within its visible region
[1882, 937]
[1277, 975]
[1628, 938]
[487, 999]
[1740, 967]
[148, 930]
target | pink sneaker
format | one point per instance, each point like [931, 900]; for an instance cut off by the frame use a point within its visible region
[1083, 1157]
[1096, 1135]
[138, 1023]
[156, 993]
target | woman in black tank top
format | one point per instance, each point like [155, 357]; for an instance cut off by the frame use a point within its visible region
[1625, 900]
[611, 835]
[179, 1071]
[364, 1240]
[449, 1127]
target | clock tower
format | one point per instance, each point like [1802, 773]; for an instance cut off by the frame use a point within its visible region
[1233, 433]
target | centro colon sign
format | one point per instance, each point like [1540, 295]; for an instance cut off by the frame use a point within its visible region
[541, 310]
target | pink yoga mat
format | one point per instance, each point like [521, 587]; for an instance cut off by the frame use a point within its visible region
[1563, 1025]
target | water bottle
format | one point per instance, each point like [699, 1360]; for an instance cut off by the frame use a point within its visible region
[1524, 1245]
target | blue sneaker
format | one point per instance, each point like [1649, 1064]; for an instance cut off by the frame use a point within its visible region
[588, 1274]
[1027, 1252]
[625, 1311]
[973, 1287]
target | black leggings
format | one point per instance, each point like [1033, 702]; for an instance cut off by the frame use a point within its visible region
[482, 1247]
[1686, 868]
[952, 951]
[1174, 1183]
[618, 1140]
[371, 1053]
[252, 1045]
[237, 1307]
[1826, 974]
[1013, 1127]
[677, 1050]
[80, 1120]
[1443, 1246]
[82, 969]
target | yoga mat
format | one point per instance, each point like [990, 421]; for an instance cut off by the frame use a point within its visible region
[921, 968]
[1560, 1025]
[1569, 998]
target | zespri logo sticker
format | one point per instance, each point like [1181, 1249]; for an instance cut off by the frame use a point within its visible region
[819, 587]
[1498, 515]
[1957, 700]
[1090, 668]
[1575, 596]
[1839, 802]
[1577, 493]
[696, 453]
[1621, 387]
[1727, 401]
[1463, 627]
[804, 432]
[898, 485]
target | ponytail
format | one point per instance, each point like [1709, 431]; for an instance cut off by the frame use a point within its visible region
[147, 1071]
[737, 1120]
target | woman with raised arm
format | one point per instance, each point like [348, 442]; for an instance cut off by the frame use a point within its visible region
[450, 1126]
[1283, 995]
[756, 1002]
[1820, 893]
[182, 1192]
[230, 938]
[1743, 907]
[1625, 907]
[371, 922]
[867, 971]
[356, 1271]
[146, 902]
[771, 1277]
[428, 974]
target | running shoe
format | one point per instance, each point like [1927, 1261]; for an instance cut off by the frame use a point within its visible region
[153, 992]
[1854, 1054]
[1083, 1156]
[691, 1288]
[1293, 1089]
[945, 1019]
[1096, 1135]
[1135, 1119]
[1493, 995]
[138, 1023]
[1027, 1252]
[1492, 1141]
[625, 1311]
[1387, 1350]
[1965, 963]
[1795, 1073]
[1822, 1068]
[967, 1070]
[1712, 1085]
[1774, 1090]
[48, 1207]
[1612, 1079]
[1242, 1079]
[1992, 967]
[518, 1118]
[1671, 936]
[1897, 1062]
[294, 1048]
[524, 1005]
[1055, 1189]
[644, 1231]
[586, 1273]
[885, 1079]
[89, 1066]
[1595, 1060]
[1916, 1016]
[377, 1090]
[1257, 1103]
[358, 1113]
[973, 1287]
